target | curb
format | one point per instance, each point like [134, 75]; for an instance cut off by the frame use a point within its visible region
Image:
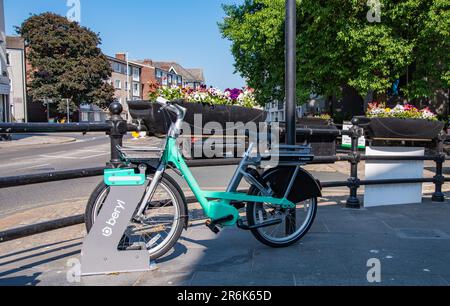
[45, 141]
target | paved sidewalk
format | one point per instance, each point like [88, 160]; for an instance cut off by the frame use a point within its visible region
[411, 242]
[38, 140]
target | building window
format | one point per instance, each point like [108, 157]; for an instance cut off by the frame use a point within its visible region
[118, 84]
[116, 67]
[2, 110]
[158, 74]
[136, 91]
[85, 116]
[174, 79]
[136, 74]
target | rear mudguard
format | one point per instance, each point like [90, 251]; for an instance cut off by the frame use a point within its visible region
[151, 170]
[305, 187]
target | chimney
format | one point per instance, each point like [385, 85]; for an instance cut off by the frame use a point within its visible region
[148, 62]
[121, 56]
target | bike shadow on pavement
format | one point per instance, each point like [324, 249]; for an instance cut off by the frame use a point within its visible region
[196, 220]
[21, 280]
[197, 225]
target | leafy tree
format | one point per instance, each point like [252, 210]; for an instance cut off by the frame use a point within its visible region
[338, 46]
[66, 62]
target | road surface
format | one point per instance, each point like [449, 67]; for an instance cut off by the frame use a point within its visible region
[92, 150]
[88, 151]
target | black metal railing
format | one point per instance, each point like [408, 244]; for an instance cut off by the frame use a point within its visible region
[116, 128]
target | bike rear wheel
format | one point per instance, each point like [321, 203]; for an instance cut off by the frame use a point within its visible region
[165, 217]
[295, 223]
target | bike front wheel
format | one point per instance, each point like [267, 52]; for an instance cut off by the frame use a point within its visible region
[165, 217]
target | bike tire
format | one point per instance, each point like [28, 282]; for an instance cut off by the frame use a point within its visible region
[251, 219]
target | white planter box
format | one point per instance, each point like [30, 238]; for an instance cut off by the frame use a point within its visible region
[394, 194]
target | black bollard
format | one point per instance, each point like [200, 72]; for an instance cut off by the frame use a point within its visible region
[119, 128]
[439, 179]
[354, 182]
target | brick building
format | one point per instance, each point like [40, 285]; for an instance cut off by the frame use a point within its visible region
[190, 77]
[167, 74]
[148, 76]
[126, 79]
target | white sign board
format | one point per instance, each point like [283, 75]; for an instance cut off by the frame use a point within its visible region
[347, 140]
[394, 194]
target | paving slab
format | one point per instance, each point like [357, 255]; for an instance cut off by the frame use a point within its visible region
[232, 278]
[411, 243]
[35, 141]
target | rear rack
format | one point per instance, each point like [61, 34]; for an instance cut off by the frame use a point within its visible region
[286, 155]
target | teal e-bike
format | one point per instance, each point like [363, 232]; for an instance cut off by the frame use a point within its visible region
[279, 208]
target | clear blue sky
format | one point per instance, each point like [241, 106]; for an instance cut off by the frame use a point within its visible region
[184, 31]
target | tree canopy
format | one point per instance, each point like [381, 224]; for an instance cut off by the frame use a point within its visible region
[338, 45]
[66, 62]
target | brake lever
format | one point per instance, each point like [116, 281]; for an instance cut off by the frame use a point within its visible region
[162, 108]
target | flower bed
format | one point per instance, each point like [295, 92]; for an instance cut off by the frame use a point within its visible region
[402, 122]
[239, 97]
[379, 110]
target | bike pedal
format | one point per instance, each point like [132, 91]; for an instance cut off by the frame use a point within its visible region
[212, 227]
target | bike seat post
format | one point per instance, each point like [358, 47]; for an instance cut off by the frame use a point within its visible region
[238, 176]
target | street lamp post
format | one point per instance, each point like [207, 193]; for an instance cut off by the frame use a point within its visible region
[129, 78]
[291, 71]
[48, 102]
[291, 90]
[68, 110]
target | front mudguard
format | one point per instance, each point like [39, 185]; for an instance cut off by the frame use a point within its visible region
[305, 186]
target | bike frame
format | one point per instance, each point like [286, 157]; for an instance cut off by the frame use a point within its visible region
[216, 205]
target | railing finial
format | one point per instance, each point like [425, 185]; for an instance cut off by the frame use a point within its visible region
[116, 108]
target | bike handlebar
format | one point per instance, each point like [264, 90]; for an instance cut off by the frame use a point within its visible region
[172, 107]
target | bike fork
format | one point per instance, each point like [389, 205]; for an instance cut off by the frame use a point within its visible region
[151, 190]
